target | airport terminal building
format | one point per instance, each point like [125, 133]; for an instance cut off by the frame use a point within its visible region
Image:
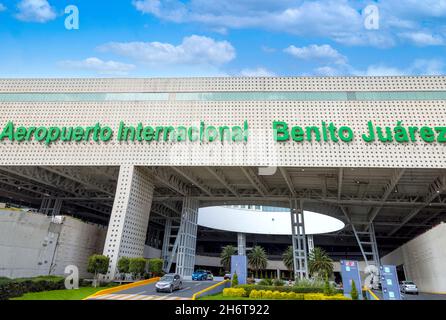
[123, 166]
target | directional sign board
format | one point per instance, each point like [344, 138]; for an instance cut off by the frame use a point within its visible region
[389, 282]
[349, 272]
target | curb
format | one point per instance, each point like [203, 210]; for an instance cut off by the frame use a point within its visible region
[122, 287]
[195, 295]
[373, 294]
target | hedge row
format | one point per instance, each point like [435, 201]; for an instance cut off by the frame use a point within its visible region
[249, 287]
[11, 288]
[277, 295]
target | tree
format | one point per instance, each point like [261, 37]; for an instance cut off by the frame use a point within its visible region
[155, 267]
[137, 266]
[288, 258]
[98, 264]
[225, 256]
[328, 289]
[320, 264]
[257, 258]
[354, 291]
[234, 281]
[123, 265]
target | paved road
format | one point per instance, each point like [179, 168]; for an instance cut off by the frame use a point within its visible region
[420, 296]
[424, 296]
[148, 292]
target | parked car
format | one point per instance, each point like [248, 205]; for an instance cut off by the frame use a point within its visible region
[200, 275]
[210, 276]
[169, 283]
[227, 276]
[408, 287]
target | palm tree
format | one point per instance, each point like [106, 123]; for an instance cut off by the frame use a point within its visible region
[225, 256]
[257, 259]
[320, 264]
[288, 259]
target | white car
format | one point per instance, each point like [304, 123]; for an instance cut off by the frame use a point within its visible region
[408, 287]
[169, 282]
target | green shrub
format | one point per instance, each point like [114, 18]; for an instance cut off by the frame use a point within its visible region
[278, 283]
[298, 289]
[266, 282]
[11, 288]
[156, 267]
[328, 289]
[234, 281]
[123, 265]
[276, 295]
[309, 283]
[234, 292]
[137, 266]
[354, 291]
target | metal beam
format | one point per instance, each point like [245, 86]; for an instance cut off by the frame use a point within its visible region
[340, 179]
[192, 178]
[78, 176]
[347, 216]
[396, 176]
[288, 181]
[435, 189]
[255, 180]
[44, 177]
[164, 176]
[285, 199]
[50, 191]
[218, 174]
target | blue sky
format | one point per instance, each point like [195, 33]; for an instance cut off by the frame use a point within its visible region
[150, 38]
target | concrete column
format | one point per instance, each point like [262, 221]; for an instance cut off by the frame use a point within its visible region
[129, 219]
[187, 238]
[241, 244]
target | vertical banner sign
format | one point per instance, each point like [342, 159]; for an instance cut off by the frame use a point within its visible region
[239, 266]
[389, 282]
[349, 272]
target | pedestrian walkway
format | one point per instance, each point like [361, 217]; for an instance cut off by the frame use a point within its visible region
[115, 296]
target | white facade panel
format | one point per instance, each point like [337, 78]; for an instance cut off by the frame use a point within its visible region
[423, 260]
[260, 150]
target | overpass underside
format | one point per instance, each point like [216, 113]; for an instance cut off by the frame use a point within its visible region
[397, 203]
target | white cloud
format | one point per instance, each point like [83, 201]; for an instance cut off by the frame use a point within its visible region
[148, 6]
[315, 52]
[327, 71]
[99, 66]
[257, 72]
[35, 11]
[423, 38]
[338, 20]
[432, 67]
[427, 67]
[195, 50]
[381, 70]
[2, 7]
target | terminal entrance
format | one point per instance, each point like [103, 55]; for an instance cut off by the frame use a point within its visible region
[381, 208]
